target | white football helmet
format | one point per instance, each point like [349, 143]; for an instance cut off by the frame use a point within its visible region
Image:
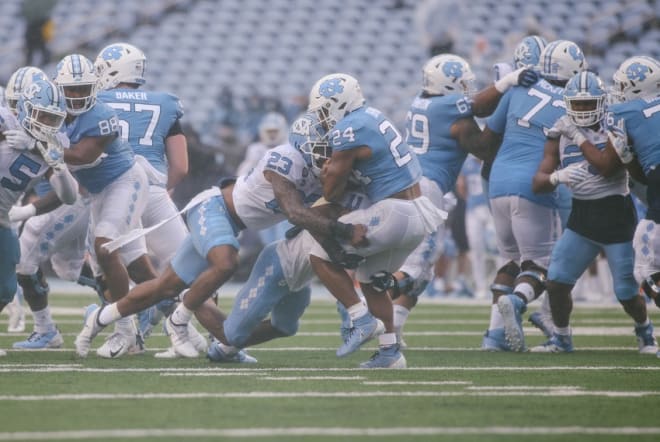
[77, 80]
[585, 99]
[18, 81]
[120, 63]
[333, 97]
[448, 74]
[561, 60]
[273, 129]
[637, 77]
[528, 51]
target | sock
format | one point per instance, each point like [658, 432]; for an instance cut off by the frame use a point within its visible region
[386, 339]
[125, 326]
[109, 314]
[400, 316]
[496, 320]
[526, 290]
[643, 324]
[43, 321]
[357, 311]
[181, 315]
[564, 331]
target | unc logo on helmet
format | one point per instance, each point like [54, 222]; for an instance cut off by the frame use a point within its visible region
[112, 53]
[637, 72]
[331, 87]
[453, 69]
[575, 53]
[32, 90]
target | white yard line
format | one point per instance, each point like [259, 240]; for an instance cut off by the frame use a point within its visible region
[323, 394]
[185, 433]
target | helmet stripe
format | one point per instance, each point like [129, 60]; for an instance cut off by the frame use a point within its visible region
[19, 79]
[76, 68]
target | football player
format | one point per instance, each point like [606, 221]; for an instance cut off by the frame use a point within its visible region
[41, 113]
[527, 224]
[631, 125]
[150, 122]
[368, 149]
[603, 216]
[104, 164]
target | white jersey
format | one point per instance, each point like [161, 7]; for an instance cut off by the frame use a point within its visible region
[254, 199]
[596, 186]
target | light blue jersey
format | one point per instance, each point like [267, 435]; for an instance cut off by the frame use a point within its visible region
[100, 121]
[428, 133]
[641, 120]
[523, 116]
[145, 118]
[392, 167]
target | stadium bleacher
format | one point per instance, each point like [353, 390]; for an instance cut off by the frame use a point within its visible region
[279, 48]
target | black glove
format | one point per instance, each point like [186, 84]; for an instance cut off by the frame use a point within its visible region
[528, 78]
[339, 256]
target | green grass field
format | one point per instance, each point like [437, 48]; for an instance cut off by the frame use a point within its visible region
[300, 391]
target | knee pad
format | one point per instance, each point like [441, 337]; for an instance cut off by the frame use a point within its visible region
[409, 286]
[506, 276]
[33, 283]
[533, 274]
[383, 281]
[650, 287]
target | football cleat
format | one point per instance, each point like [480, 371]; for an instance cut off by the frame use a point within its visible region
[52, 339]
[494, 341]
[386, 357]
[217, 354]
[90, 329]
[3, 353]
[118, 345]
[543, 323]
[557, 344]
[512, 307]
[645, 340]
[180, 339]
[364, 328]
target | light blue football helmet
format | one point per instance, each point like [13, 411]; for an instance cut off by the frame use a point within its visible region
[41, 110]
[528, 52]
[585, 99]
[308, 137]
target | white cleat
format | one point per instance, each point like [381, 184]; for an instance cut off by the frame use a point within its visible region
[91, 328]
[180, 339]
[116, 346]
[167, 354]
